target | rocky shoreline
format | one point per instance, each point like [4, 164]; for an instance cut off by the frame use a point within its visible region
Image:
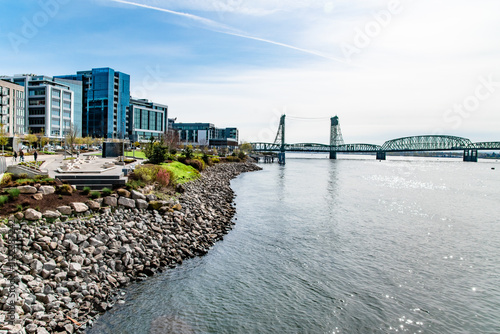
[58, 277]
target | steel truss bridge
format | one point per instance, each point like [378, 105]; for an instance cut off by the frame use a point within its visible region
[425, 143]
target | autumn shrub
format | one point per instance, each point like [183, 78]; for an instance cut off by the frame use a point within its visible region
[163, 177]
[6, 179]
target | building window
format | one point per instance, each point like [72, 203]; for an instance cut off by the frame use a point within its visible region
[56, 93]
[67, 96]
[67, 105]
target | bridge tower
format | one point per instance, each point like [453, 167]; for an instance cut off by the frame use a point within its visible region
[335, 136]
[280, 140]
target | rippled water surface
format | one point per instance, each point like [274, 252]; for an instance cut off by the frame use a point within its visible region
[345, 246]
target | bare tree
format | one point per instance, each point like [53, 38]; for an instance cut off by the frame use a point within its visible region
[171, 139]
[71, 138]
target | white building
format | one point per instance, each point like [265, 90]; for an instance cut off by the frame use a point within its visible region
[49, 105]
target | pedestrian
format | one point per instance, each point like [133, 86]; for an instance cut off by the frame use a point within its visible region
[15, 156]
[35, 155]
[21, 155]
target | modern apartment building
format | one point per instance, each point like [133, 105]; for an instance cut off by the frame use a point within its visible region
[105, 100]
[12, 108]
[49, 105]
[146, 119]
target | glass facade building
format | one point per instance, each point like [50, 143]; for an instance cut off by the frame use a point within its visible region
[105, 101]
[204, 133]
[146, 119]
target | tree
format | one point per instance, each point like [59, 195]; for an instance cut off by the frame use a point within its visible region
[71, 137]
[171, 139]
[246, 147]
[88, 141]
[4, 140]
[31, 139]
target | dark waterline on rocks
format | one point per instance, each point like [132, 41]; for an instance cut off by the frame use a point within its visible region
[347, 246]
[65, 273]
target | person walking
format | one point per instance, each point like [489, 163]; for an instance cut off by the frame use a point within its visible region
[35, 155]
[21, 156]
[15, 156]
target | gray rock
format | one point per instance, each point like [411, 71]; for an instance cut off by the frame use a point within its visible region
[93, 205]
[50, 266]
[126, 202]
[38, 196]
[141, 204]
[79, 207]
[41, 330]
[46, 190]
[73, 266]
[65, 210]
[51, 214]
[31, 214]
[137, 195]
[36, 266]
[27, 189]
[111, 201]
[151, 197]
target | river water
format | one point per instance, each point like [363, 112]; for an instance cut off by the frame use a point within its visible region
[339, 246]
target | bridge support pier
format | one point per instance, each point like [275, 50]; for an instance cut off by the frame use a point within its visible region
[380, 155]
[281, 158]
[470, 155]
[333, 155]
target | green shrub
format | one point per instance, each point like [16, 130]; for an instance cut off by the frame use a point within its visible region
[6, 179]
[19, 207]
[106, 191]
[188, 152]
[215, 160]
[135, 184]
[86, 190]
[23, 176]
[3, 199]
[39, 177]
[24, 181]
[241, 155]
[95, 194]
[14, 193]
[147, 173]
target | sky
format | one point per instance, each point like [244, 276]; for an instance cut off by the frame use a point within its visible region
[387, 69]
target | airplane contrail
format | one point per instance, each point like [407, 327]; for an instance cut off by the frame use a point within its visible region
[224, 29]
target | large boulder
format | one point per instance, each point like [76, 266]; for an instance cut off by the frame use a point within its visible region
[93, 205]
[126, 202]
[46, 190]
[137, 195]
[27, 189]
[79, 207]
[156, 205]
[123, 192]
[51, 214]
[111, 201]
[141, 204]
[65, 210]
[32, 214]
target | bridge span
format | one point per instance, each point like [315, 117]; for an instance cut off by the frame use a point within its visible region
[425, 143]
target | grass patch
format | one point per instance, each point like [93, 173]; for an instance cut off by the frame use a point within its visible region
[106, 191]
[95, 194]
[86, 190]
[13, 193]
[180, 173]
[138, 154]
